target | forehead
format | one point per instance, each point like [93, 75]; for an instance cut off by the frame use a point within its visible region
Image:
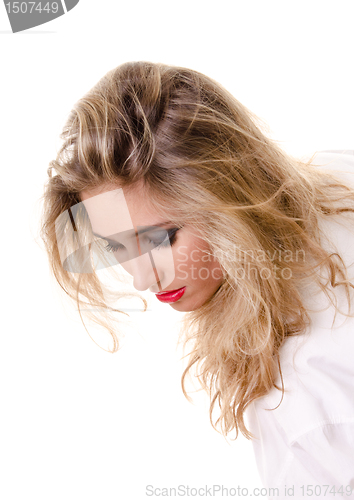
[112, 209]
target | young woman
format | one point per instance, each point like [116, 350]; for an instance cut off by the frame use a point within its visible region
[166, 173]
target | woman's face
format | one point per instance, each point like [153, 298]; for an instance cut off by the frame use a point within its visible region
[179, 263]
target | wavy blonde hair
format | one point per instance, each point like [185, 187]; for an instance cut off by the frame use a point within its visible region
[205, 161]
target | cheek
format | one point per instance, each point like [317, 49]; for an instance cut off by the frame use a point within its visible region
[194, 260]
[188, 255]
[181, 255]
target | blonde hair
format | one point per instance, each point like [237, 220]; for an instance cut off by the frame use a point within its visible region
[206, 162]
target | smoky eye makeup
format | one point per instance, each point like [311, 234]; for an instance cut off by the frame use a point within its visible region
[160, 238]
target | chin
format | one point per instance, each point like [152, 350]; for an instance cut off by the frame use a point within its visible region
[187, 306]
[180, 307]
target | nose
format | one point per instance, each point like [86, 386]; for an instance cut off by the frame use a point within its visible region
[144, 275]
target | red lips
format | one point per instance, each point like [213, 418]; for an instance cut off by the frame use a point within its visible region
[170, 295]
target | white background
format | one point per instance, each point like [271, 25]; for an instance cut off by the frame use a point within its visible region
[77, 422]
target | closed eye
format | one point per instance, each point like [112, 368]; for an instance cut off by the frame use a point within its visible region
[114, 248]
[152, 243]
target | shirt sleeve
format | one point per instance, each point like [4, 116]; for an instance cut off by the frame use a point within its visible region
[321, 462]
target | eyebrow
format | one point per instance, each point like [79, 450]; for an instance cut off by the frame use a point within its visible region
[144, 230]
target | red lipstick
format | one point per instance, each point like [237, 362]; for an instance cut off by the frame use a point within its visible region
[170, 295]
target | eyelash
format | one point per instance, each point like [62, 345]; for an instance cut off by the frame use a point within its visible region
[172, 234]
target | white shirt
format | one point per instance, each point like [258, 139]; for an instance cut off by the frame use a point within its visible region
[306, 445]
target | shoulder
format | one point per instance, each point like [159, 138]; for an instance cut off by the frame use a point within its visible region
[318, 373]
[318, 366]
